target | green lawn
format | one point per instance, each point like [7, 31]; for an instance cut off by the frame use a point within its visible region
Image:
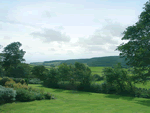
[79, 102]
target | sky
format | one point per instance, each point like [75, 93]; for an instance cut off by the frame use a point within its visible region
[67, 29]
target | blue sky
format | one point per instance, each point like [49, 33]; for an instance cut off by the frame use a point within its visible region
[65, 29]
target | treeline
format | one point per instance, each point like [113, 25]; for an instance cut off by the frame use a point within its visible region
[108, 61]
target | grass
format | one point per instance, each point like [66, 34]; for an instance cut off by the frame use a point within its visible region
[79, 102]
[97, 70]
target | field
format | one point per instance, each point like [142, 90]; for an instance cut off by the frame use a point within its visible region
[79, 102]
[97, 70]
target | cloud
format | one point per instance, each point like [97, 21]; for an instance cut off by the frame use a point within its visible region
[19, 23]
[47, 14]
[70, 52]
[7, 38]
[105, 39]
[59, 27]
[51, 49]
[50, 35]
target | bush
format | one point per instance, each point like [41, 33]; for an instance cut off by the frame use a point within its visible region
[4, 80]
[40, 96]
[35, 81]
[48, 96]
[25, 95]
[141, 92]
[10, 84]
[22, 81]
[97, 77]
[7, 95]
[27, 81]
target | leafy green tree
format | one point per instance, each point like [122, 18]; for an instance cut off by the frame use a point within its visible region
[39, 71]
[137, 50]
[22, 70]
[64, 72]
[118, 77]
[83, 73]
[1, 68]
[52, 78]
[12, 55]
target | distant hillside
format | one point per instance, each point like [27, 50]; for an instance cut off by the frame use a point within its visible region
[108, 61]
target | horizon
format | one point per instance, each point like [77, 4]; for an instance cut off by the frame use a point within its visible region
[53, 30]
[73, 59]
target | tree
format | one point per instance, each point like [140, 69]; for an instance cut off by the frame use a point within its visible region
[12, 55]
[118, 78]
[83, 74]
[22, 70]
[1, 69]
[137, 50]
[64, 71]
[39, 71]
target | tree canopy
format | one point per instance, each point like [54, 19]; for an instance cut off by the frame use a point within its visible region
[12, 55]
[137, 49]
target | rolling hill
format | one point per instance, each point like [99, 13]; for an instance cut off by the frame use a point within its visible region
[107, 61]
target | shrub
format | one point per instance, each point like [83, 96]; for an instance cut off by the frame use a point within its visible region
[40, 96]
[35, 81]
[4, 80]
[27, 81]
[22, 81]
[48, 96]
[10, 84]
[97, 77]
[7, 95]
[141, 92]
[25, 95]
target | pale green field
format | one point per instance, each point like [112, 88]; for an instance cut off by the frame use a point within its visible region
[79, 102]
[97, 70]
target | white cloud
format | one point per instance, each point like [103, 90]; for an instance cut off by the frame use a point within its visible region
[50, 35]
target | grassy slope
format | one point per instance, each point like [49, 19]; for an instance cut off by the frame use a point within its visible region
[80, 102]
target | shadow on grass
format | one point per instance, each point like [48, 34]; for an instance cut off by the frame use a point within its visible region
[78, 92]
[113, 96]
[145, 102]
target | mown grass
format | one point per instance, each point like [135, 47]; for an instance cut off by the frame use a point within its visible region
[79, 102]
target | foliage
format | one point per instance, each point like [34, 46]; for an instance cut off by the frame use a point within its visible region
[97, 77]
[52, 77]
[12, 55]
[48, 95]
[25, 95]
[22, 70]
[39, 71]
[35, 81]
[64, 71]
[118, 77]
[4, 80]
[83, 73]
[22, 81]
[137, 50]
[7, 95]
